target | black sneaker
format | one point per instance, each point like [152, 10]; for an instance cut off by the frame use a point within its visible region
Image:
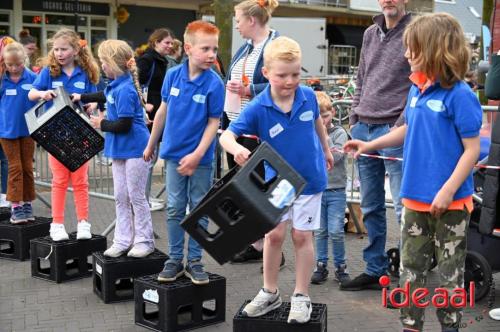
[320, 274]
[247, 255]
[363, 281]
[282, 263]
[341, 274]
[196, 272]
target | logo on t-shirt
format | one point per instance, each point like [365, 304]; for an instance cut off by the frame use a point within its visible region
[435, 105]
[79, 85]
[199, 99]
[26, 87]
[110, 99]
[306, 116]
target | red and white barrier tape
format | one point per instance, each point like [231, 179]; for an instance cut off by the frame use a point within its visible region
[401, 159]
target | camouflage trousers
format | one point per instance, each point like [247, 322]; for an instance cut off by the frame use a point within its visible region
[422, 236]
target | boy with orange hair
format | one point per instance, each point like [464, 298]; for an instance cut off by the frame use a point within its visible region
[193, 94]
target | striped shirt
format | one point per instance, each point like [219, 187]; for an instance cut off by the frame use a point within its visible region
[249, 62]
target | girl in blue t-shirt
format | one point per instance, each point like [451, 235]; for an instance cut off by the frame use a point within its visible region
[70, 64]
[15, 139]
[441, 145]
[126, 138]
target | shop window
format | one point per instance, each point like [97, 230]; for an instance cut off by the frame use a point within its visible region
[97, 36]
[4, 30]
[65, 20]
[98, 22]
[4, 18]
[32, 19]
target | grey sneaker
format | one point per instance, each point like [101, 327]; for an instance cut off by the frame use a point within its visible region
[300, 309]
[341, 274]
[196, 272]
[263, 303]
[320, 274]
[172, 270]
[28, 212]
[17, 215]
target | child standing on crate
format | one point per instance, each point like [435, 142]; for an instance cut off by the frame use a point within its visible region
[70, 64]
[192, 103]
[286, 115]
[333, 201]
[126, 138]
[441, 145]
[15, 139]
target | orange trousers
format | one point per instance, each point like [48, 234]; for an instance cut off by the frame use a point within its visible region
[60, 181]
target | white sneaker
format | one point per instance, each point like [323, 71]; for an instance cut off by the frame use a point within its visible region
[140, 251]
[495, 313]
[58, 232]
[114, 252]
[300, 309]
[3, 201]
[262, 304]
[83, 231]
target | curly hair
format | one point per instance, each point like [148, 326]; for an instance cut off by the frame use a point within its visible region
[84, 58]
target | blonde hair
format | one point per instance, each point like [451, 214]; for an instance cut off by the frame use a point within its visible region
[282, 48]
[120, 58]
[199, 27]
[84, 58]
[14, 48]
[324, 101]
[438, 45]
[259, 9]
[176, 45]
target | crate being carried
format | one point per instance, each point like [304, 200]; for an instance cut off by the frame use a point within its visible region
[64, 130]
[243, 206]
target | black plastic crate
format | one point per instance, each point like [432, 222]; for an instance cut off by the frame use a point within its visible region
[15, 239]
[64, 260]
[64, 131]
[276, 320]
[179, 305]
[4, 213]
[243, 206]
[114, 277]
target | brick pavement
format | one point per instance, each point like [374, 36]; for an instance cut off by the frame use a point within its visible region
[28, 304]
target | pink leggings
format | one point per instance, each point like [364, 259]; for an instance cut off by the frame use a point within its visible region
[60, 180]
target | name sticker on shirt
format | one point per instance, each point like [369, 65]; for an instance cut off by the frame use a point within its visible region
[79, 85]
[11, 92]
[413, 102]
[174, 91]
[26, 87]
[275, 130]
[56, 84]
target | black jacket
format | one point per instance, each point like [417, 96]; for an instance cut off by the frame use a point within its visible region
[145, 65]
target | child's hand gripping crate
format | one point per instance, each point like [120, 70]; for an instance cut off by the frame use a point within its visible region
[243, 206]
[64, 130]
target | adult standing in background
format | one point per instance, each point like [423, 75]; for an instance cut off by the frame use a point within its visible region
[30, 46]
[379, 100]
[153, 66]
[245, 79]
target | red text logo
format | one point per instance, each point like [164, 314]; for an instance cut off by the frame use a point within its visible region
[442, 298]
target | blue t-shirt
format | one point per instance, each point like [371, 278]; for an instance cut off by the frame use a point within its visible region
[437, 120]
[122, 101]
[294, 137]
[78, 82]
[190, 104]
[14, 103]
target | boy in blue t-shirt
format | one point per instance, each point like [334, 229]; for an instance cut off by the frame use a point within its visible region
[192, 103]
[286, 116]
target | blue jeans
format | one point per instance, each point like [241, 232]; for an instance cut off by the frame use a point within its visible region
[333, 204]
[372, 178]
[4, 171]
[181, 191]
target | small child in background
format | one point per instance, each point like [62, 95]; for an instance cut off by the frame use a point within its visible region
[441, 146]
[192, 103]
[125, 140]
[286, 115]
[333, 201]
[70, 64]
[15, 139]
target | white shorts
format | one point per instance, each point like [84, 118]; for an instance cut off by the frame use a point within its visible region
[305, 212]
